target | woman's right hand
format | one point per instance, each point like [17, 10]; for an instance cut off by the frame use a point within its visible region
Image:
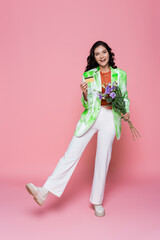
[84, 87]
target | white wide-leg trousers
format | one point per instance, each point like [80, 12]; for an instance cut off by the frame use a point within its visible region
[105, 128]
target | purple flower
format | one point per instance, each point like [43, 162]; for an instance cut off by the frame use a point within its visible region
[113, 88]
[112, 95]
[100, 96]
[114, 83]
[107, 90]
[109, 84]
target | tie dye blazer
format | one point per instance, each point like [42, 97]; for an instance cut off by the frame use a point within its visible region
[93, 103]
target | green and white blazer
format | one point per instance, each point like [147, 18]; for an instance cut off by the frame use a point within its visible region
[93, 103]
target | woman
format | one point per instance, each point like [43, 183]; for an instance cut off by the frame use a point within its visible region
[97, 117]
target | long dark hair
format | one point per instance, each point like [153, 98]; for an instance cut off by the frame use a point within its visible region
[91, 62]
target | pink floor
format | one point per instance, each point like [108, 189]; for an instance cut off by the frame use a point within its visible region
[132, 212]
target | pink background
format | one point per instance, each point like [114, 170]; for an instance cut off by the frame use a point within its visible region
[43, 51]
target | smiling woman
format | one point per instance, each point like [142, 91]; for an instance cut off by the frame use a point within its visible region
[95, 118]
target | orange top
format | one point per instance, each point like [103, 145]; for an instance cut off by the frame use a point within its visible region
[105, 79]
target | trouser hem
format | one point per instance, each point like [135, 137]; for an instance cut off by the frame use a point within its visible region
[57, 195]
[95, 203]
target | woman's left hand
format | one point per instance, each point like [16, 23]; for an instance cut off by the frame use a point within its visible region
[126, 116]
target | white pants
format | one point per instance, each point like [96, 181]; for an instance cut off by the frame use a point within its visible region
[105, 128]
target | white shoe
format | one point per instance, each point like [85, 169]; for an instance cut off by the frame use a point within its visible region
[39, 193]
[99, 210]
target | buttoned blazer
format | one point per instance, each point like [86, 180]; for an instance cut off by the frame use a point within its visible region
[93, 103]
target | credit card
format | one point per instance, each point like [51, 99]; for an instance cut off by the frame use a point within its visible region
[89, 79]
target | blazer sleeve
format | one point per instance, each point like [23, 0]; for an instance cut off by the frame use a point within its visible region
[126, 99]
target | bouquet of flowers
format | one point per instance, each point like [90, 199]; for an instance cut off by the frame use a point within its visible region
[114, 97]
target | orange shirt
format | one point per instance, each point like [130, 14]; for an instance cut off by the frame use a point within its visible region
[105, 79]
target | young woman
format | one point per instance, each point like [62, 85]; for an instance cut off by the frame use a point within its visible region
[98, 118]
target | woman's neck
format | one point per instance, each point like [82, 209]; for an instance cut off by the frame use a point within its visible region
[105, 69]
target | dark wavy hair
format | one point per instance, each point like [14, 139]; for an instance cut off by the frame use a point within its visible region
[91, 62]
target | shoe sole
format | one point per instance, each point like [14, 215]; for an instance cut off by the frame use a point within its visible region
[99, 214]
[34, 197]
[38, 201]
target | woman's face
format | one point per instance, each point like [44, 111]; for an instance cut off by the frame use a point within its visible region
[101, 56]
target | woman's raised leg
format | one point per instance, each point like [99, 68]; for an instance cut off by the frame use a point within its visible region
[57, 182]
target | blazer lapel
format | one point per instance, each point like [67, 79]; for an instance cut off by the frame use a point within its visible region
[114, 75]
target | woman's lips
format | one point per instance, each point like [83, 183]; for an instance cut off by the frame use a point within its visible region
[103, 60]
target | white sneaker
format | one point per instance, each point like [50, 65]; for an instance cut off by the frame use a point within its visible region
[99, 210]
[39, 193]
